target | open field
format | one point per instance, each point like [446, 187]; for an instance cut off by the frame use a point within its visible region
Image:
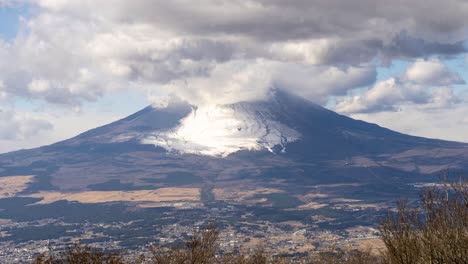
[312, 205]
[11, 185]
[242, 195]
[158, 195]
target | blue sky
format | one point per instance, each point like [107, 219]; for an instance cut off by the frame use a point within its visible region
[80, 64]
[10, 20]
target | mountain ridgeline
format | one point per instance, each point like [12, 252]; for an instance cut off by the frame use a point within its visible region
[284, 133]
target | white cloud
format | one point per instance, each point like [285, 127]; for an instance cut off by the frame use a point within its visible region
[312, 51]
[243, 80]
[20, 125]
[443, 98]
[433, 73]
[444, 123]
[384, 96]
[392, 94]
[3, 93]
[318, 83]
[424, 83]
[85, 49]
[39, 86]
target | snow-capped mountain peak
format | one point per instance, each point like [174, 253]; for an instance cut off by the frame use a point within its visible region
[219, 130]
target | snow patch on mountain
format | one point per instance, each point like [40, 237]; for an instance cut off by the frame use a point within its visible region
[219, 130]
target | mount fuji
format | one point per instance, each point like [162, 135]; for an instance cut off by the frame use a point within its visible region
[281, 131]
[283, 153]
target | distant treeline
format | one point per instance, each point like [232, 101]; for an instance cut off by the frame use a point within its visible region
[433, 231]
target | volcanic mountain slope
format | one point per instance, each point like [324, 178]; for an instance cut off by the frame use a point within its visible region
[284, 144]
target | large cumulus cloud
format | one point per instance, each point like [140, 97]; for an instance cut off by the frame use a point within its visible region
[428, 84]
[242, 80]
[70, 51]
[432, 73]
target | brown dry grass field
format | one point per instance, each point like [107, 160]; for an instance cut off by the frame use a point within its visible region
[11, 185]
[238, 194]
[312, 205]
[159, 195]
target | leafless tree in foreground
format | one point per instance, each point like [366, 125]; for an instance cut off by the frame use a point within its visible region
[78, 254]
[436, 231]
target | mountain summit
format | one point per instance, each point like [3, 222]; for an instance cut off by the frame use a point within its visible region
[220, 130]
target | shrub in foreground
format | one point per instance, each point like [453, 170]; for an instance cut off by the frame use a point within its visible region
[78, 254]
[434, 232]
